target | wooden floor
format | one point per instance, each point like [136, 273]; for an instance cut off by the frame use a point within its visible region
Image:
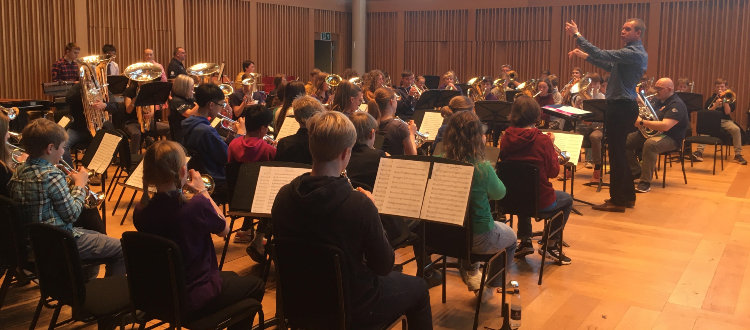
[679, 260]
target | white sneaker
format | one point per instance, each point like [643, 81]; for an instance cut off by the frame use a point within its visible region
[243, 236]
[487, 293]
[472, 279]
[589, 165]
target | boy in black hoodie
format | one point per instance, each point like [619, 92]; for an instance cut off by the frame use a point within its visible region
[323, 205]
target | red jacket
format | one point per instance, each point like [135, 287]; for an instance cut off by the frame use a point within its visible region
[250, 149]
[533, 147]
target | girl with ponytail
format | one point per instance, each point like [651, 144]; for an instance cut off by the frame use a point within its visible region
[399, 137]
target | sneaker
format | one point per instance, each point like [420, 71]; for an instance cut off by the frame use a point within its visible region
[643, 187]
[243, 237]
[589, 165]
[597, 175]
[95, 181]
[525, 248]
[740, 160]
[487, 293]
[433, 277]
[697, 156]
[568, 175]
[255, 254]
[472, 279]
[555, 255]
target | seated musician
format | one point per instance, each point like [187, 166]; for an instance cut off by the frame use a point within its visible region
[278, 99]
[44, 196]
[408, 94]
[7, 164]
[526, 143]
[349, 73]
[575, 77]
[683, 85]
[199, 136]
[66, 68]
[554, 121]
[592, 130]
[487, 87]
[112, 68]
[421, 82]
[250, 149]
[673, 121]
[321, 90]
[322, 206]
[371, 81]
[456, 104]
[555, 92]
[248, 66]
[499, 91]
[296, 148]
[464, 142]
[189, 224]
[129, 118]
[181, 105]
[507, 69]
[399, 137]
[365, 159]
[292, 91]
[716, 102]
[242, 98]
[313, 81]
[543, 98]
[447, 82]
[347, 99]
[279, 79]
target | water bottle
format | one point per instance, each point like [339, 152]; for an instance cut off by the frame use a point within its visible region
[515, 307]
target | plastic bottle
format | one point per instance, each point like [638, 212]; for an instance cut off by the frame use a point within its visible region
[515, 307]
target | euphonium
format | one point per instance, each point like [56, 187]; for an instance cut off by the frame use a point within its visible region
[208, 181]
[12, 112]
[92, 72]
[527, 88]
[92, 199]
[142, 72]
[15, 155]
[476, 89]
[419, 138]
[202, 71]
[647, 112]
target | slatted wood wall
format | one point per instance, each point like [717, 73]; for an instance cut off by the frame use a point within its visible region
[708, 40]
[34, 34]
[132, 26]
[440, 35]
[339, 23]
[283, 38]
[381, 43]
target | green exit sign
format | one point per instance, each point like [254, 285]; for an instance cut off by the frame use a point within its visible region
[325, 36]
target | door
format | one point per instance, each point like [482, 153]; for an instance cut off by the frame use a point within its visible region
[324, 55]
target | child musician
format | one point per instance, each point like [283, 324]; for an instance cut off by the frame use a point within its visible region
[295, 148]
[399, 137]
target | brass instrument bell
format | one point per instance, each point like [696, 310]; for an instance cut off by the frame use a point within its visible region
[11, 112]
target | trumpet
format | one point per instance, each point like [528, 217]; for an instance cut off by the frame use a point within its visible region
[419, 138]
[12, 112]
[227, 123]
[562, 156]
[269, 139]
[208, 181]
[92, 199]
[419, 90]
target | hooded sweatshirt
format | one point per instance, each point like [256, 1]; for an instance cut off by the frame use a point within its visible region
[199, 136]
[533, 147]
[251, 149]
[327, 210]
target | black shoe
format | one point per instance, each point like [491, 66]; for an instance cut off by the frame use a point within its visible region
[643, 187]
[697, 156]
[554, 254]
[254, 254]
[433, 277]
[95, 181]
[525, 248]
[740, 160]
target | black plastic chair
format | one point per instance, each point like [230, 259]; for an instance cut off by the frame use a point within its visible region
[13, 247]
[313, 285]
[708, 129]
[156, 278]
[61, 279]
[521, 182]
[670, 157]
[232, 171]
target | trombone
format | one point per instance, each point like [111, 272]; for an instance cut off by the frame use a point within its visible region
[12, 112]
[91, 200]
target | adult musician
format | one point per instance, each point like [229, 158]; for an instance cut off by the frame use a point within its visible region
[716, 102]
[148, 57]
[408, 93]
[248, 66]
[673, 121]
[176, 67]
[130, 117]
[66, 68]
[112, 68]
[313, 80]
[244, 97]
[626, 66]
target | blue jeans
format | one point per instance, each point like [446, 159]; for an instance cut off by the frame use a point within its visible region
[501, 237]
[74, 137]
[400, 294]
[564, 202]
[93, 245]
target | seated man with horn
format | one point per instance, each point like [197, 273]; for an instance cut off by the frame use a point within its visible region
[722, 101]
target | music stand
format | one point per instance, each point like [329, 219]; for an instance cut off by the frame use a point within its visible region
[89, 156]
[493, 112]
[432, 99]
[154, 93]
[117, 84]
[693, 101]
[464, 88]
[431, 82]
[511, 95]
[244, 191]
[419, 117]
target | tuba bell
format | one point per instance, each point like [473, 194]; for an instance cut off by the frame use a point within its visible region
[476, 89]
[201, 72]
[143, 72]
[92, 72]
[527, 88]
[333, 81]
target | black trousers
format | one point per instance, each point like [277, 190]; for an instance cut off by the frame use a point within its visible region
[618, 123]
[400, 295]
[234, 289]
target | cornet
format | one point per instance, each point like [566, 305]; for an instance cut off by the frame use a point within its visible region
[92, 199]
[419, 91]
[419, 138]
[208, 181]
[16, 155]
[12, 113]
[227, 123]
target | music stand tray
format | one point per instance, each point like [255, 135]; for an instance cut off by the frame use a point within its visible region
[432, 99]
[117, 84]
[597, 107]
[693, 101]
[155, 93]
[431, 82]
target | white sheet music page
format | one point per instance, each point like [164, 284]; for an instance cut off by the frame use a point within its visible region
[135, 180]
[570, 143]
[215, 122]
[64, 121]
[104, 154]
[447, 193]
[381, 182]
[431, 124]
[290, 127]
[270, 181]
[406, 186]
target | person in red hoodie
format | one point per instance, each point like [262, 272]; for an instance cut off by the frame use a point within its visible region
[526, 143]
[249, 149]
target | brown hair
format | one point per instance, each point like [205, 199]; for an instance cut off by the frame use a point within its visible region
[370, 80]
[578, 69]
[639, 25]
[5, 152]
[460, 103]
[305, 107]
[292, 91]
[683, 80]
[524, 112]
[553, 79]
[364, 123]
[330, 134]
[382, 97]
[39, 134]
[342, 99]
[161, 164]
[349, 73]
[595, 77]
[72, 46]
[546, 81]
[320, 79]
[720, 81]
[463, 138]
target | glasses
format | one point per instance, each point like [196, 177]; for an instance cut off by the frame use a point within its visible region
[221, 104]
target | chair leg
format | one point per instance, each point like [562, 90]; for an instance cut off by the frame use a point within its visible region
[682, 163]
[128, 209]
[714, 160]
[226, 243]
[111, 182]
[445, 263]
[55, 315]
[122, 192]
[37, 312]
[664, 175]
[482, 284]
[545, 238]
[722, 157]
[9, 275]
[261, 320]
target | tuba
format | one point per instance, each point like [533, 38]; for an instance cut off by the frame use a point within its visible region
[92, 200]
[581, 88]
[92, 72]
[647, 112]
[143, 72]
[476, 89]
[12, 113]
[201, 72]
[419, 138]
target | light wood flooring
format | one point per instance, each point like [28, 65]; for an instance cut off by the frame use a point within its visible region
[679, 260]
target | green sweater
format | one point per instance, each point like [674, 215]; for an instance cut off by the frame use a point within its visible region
[485, 186]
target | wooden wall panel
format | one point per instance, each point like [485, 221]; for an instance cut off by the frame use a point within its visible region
[514, 24]
[491, 55]
[436, 58]
[132, 26]
[216, 31]
[437, 25]
[283, 40]
[708, 40]
[341, 24]
[34, 33]
[601, 25]
[381, 43]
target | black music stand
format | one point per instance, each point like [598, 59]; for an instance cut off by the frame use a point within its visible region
[431, 82]
[89, 156]
[511, 95]
[117, 84]
[599, 110]
[464, 88]
[154, 93]
[492, 113]
[434, 98]
[693, 101]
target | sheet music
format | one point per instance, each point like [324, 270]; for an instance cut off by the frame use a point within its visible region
[135, 180]
[567, 110]
[447, 193]
[363, 107]
[290, 127]
[104, 154]
[431, 124]
[270, 181]
[399, 186]
[215, 123]
[570, 143]
[64, 121]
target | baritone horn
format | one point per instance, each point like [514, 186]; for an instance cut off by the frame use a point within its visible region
[16, 155]
[11, 112]
[143, 72]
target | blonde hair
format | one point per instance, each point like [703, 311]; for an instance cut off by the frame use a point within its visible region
[39, 134]
[161, 164]
[305, 107]
[330, 133]
[182, 85]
